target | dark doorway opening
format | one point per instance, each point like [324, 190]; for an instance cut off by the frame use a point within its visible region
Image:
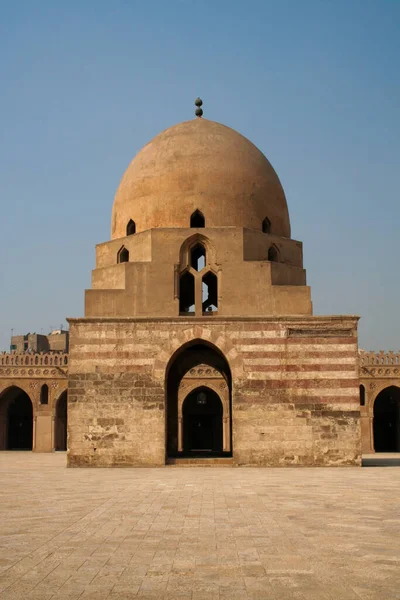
[16, 419]
[387, 420]
[202, 422]
[60, 423]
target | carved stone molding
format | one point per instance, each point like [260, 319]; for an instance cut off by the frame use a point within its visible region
[24, 372]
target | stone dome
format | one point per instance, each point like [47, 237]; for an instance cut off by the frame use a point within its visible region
[200, 164]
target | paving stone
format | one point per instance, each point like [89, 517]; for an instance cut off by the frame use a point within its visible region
[196, 533]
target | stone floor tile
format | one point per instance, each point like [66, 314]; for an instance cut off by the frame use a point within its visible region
[286, 534]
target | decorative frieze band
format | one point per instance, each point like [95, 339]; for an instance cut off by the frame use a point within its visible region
[33, 372]
[295, 332]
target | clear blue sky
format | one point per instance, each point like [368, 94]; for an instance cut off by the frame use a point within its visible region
[314, 84]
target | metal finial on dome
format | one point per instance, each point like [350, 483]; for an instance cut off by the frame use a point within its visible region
[198, 112]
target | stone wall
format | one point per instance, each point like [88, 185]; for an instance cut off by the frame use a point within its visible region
[295, 388]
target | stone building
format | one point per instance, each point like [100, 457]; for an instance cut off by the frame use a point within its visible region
[198, 342]
[56, 341]
[201, 270]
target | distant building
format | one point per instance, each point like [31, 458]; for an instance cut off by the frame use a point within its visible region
[56, 341]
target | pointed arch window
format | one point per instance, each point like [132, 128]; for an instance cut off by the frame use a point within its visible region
[266, 225]
[131, 228]
[273, 254]
[362, 395]
[197, 219]
[44, 394]
[196, 282]
[123, 255]
[209, 290]
[198, 257]
[186, 294]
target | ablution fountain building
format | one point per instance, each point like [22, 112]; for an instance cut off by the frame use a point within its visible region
[198, 343]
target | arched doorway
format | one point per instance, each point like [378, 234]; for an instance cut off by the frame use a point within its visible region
[202, 422]
[206, 413]
[16, 420]
[387, 420]
[60, 423]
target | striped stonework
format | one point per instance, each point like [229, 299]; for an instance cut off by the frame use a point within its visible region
[295, 388]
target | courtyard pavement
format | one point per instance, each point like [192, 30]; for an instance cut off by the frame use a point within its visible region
[197, 533]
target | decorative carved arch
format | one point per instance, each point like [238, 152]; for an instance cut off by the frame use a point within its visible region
[198, 334]
[189, 243]
[187, 262]
[23, 386]
[373, 392]
[220, 388]
[222, 391]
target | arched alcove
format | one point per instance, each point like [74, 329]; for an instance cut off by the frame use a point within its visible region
[60, 423]
[186, 249]
[362, 395]
[266, 225]
[191, 354]
[386, 424]
[123, 255]
[273, 254]
[197, 219]
[44, 394]
[16, 420]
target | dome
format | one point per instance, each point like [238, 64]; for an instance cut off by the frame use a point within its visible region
[200, 164]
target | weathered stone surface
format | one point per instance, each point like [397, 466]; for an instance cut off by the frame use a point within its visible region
[293, 414]
[197, 533]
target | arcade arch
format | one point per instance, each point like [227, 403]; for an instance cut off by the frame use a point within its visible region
[16, 420]
[198, 402]
[386, 420]
[60, 422]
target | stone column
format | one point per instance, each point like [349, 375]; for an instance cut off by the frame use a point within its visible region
[225, 426]
[366, 439]
[34, 434]
[180, 434]
[198, 296]
[371, 434]
[53, 436]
